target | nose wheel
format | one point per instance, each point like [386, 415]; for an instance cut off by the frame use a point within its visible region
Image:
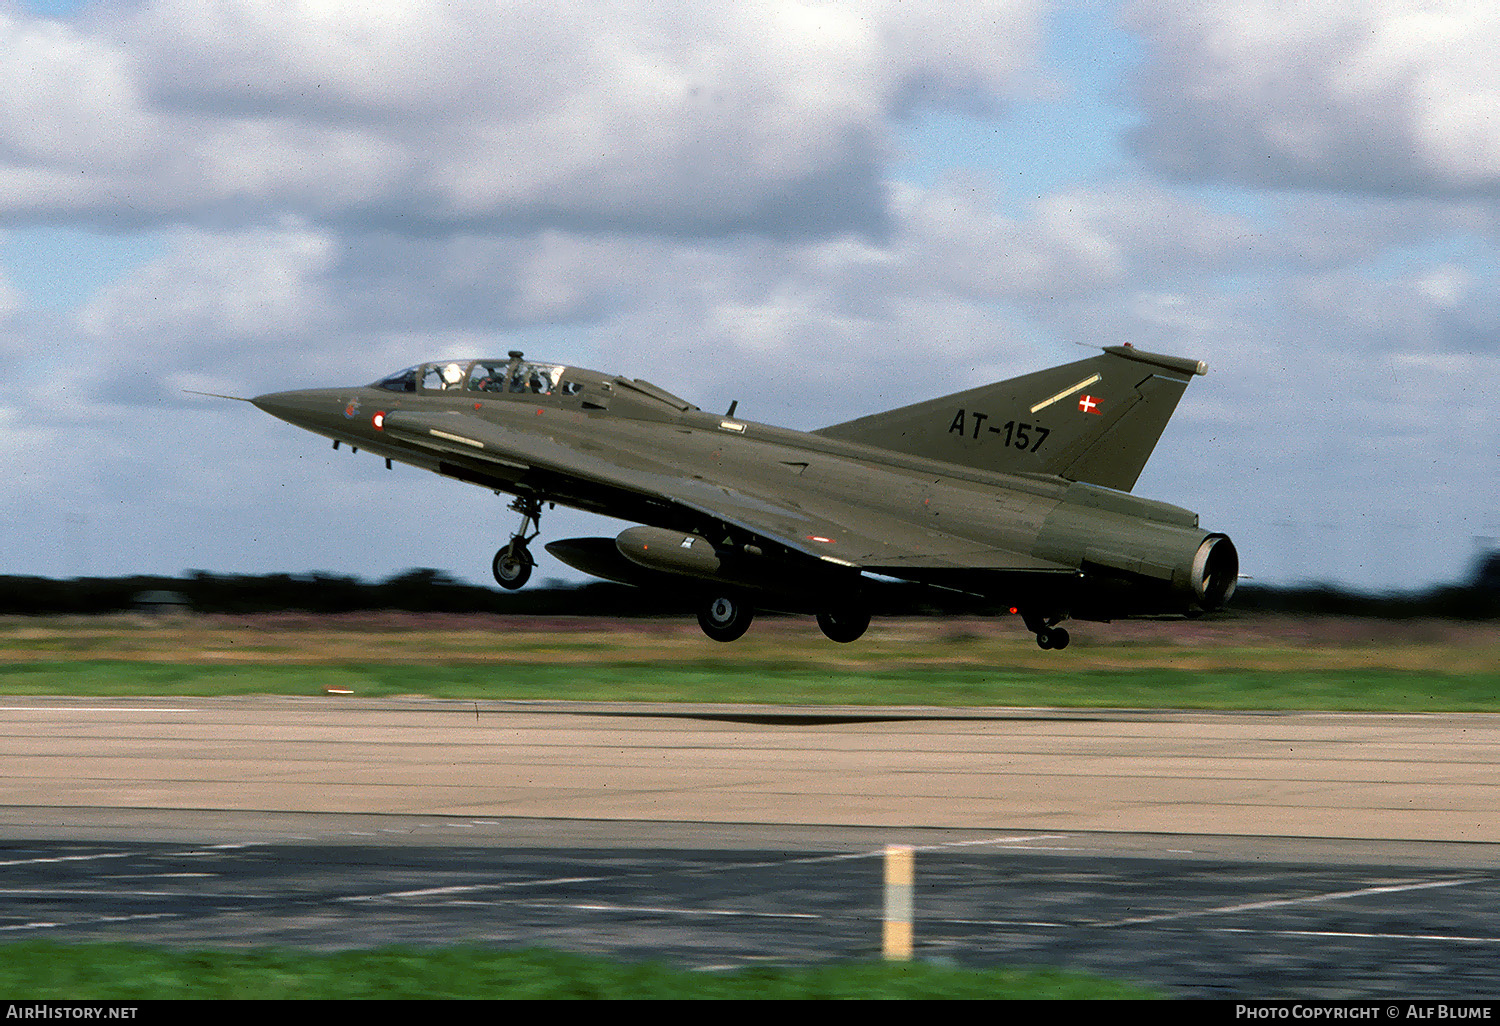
[512, 564]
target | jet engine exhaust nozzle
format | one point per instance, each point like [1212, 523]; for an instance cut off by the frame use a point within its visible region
[1216, 571]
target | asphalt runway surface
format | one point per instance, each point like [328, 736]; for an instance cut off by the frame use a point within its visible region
[1212, 855]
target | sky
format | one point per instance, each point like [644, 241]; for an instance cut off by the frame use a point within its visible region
[820, 210]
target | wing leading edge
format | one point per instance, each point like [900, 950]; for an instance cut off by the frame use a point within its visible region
[880, 543]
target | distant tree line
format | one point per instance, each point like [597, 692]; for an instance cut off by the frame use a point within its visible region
[425, 590]
[1475, 598]
[422, 590]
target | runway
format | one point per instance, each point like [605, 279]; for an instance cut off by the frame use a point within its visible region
[1209, 854]
[1387, 777]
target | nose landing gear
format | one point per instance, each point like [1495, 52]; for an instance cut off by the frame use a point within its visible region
[512, 564]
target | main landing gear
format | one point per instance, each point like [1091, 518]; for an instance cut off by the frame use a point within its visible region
[844, 625]
[1048, 634]
[725, 617]
[512, 564]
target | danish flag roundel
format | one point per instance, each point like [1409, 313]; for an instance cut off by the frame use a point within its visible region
[1089, 404]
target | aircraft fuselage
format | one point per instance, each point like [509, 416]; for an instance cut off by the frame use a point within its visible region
[794, 518]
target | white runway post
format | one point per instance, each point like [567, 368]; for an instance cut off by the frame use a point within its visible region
[898, 902]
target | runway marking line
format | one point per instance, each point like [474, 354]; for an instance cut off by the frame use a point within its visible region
[1367, 936]
[428, 892]
[91, 922]
[457, 889]
[1014, 923]
[85, 892]
[1253, 906]
[879, 853]
[662, 910]
[68, 858]
[461, 889]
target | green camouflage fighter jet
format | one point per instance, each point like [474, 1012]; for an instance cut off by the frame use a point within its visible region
[1015, 492]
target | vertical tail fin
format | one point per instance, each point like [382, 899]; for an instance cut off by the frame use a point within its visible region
[1096, 420]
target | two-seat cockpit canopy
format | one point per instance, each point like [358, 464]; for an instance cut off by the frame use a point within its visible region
[512, 375]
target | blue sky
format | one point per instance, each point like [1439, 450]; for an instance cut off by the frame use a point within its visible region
[1067, 134]
[784, 204]
[52, 8]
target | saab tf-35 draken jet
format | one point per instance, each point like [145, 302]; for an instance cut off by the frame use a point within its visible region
[1015, 492]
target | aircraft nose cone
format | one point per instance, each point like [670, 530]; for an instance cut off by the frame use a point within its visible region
[278, 404]
[270, 402]
[305, 408]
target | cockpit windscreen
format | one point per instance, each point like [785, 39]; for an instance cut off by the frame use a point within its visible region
[401, 381]
[512, 376]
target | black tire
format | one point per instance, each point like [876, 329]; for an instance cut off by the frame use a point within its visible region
[724, 618]
[844, 626]
[1054, 638]
[512, 567]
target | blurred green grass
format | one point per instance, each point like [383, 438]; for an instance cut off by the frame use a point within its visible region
[1248, 663]
[1385, 690]
[36, 970]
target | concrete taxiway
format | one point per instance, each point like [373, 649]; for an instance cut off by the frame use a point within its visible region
[1247, 855]
[1379, 777]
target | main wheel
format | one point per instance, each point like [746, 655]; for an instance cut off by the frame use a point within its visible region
[1053, 638]
[725, 619]
[512, 566]
[845, 625]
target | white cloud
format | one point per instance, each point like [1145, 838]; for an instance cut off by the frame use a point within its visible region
[1069, 243]
[218, 288]
[68, 98]
[682, 117]
[956, 286]
[1393, 96]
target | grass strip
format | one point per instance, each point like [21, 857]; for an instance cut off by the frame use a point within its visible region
[40, 970]
[1351, 689]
